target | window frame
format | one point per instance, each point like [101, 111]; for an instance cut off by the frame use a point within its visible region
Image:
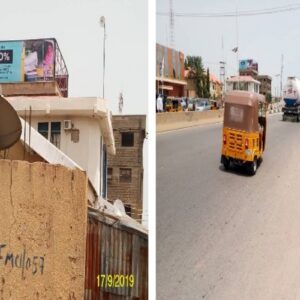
[122, 178]
[123, 133]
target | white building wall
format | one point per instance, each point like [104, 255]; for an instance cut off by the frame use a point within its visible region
[87, 151]
[252, 87]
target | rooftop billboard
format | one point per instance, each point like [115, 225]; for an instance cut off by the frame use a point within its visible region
[169, 63]
[28, 60]
[248, 65]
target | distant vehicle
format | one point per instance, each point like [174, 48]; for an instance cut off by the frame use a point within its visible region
[244, 130]
[202, 105]
[191, 105]
[173, 104]
[291, 98]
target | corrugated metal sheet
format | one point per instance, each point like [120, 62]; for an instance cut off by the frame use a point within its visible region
[114, 249]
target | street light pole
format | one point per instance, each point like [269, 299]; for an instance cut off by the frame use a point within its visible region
[102, 23]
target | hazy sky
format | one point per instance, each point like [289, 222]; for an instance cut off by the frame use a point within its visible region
[263, 38]
[75, 25]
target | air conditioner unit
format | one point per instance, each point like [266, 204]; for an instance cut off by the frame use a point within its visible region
[67, 124]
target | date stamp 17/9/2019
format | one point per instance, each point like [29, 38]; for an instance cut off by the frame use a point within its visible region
[115, 281]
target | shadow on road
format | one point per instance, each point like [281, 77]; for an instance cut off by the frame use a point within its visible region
[236, 170]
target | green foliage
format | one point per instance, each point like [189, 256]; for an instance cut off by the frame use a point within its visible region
[207, 85]
[196, 65]
[269, 98]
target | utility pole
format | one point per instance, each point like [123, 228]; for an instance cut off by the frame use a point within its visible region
[171, 17]
[222, 76]
[102, 23]
[281, 74]
[222, 71]
[237, 43]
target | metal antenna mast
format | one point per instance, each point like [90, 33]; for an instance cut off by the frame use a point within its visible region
[171, 16]
[222, 70]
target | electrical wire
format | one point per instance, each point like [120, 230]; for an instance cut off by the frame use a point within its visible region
[266, 11]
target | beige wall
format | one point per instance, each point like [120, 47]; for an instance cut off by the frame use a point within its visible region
[43, 218]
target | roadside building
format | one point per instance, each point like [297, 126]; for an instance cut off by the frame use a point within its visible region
[215, 87]
[79, 127]
[190, 88]
[242, 83]
[125, 169]
[170, 79]
[265, 84]
[53, 217]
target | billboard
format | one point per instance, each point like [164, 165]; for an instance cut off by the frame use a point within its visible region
[248, 65]
[29, 60]
[169, 63]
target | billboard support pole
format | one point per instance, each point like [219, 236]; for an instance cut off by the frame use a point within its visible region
[237, 45]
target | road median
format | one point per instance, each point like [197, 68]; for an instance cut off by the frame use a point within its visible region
[178, 120]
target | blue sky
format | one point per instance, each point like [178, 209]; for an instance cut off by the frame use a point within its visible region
[263, 38]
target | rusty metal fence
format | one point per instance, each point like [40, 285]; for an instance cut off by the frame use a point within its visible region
[113, 249]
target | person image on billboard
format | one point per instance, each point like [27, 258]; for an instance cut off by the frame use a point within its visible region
[48, 59]
[30, 64]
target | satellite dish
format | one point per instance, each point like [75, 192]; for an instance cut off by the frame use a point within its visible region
[10, 125]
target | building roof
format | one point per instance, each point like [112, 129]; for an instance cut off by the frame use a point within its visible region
[264, 76]
[213, 78]
[59, 106]
[242, 79]
[170, 80]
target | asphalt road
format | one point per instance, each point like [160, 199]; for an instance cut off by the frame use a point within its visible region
[227, 235]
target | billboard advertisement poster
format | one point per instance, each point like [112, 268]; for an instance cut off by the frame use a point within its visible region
[248, 64]
[11, 61]
[29, 60]
[39, 60]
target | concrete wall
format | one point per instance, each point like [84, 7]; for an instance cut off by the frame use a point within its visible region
[177, 120]
[30, 88]
[43, 221]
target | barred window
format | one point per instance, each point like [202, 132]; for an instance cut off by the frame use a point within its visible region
[125, 175]
[127, 139]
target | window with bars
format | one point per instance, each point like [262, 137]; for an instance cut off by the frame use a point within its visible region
[127, 139]
[125, 175]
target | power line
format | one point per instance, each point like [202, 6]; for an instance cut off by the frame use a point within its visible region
[266, 11]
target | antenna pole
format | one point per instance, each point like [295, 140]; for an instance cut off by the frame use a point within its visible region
[237, 42]
[281, 73]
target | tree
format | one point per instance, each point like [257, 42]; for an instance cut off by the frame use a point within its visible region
[207, 85]
[195, 64]
[268, 98]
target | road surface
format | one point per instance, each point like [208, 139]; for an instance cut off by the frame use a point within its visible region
[227, 235]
